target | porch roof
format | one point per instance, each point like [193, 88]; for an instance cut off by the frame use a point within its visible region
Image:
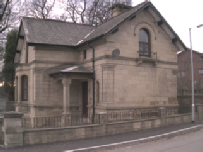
[68, 69]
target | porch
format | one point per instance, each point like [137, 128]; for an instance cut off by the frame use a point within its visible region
[76, 92]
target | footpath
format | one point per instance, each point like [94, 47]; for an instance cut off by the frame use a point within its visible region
[111, 142]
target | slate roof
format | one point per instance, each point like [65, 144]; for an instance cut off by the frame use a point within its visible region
[54, 32]
[67, 68]
[110, 24]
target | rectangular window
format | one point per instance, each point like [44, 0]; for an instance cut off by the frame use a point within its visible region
[182, 74]
[24, 88]
[84, 54]
[199, 59]
[200, 71]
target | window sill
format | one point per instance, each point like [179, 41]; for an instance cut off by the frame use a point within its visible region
[144, 59]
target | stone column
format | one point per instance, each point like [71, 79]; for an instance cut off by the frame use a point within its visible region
[66, 95]
[108, 82]
[12, 129]
[102, 118]
[162, 112]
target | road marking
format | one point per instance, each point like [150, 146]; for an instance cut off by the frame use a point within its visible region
[131, 141]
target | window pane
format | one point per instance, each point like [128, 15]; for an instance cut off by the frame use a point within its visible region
[143, 36]
[24, 88]
[25, 94]
[25, 82]
[200, 71]
[144, 49]
[144, 43]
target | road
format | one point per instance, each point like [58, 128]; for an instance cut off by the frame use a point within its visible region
[192, 142]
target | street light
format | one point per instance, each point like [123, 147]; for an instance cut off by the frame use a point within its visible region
[192, 72]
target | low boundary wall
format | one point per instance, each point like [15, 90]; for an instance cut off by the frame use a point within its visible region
[38, 136]
[15, 135]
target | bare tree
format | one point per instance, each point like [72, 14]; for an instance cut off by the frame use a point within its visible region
[98, 12]
[41, 8]
[92, 12]
[5, 11]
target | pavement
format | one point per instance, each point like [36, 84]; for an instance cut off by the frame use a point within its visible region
[190, 142]
[108, 142]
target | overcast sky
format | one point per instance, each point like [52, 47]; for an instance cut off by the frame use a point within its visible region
[181, 15]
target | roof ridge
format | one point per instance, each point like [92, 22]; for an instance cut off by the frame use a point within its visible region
[130, 13]
[57, 20]
[123, 13]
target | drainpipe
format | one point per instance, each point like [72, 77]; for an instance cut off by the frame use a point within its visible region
[93, 67]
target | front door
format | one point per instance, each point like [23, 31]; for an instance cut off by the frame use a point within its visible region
[85, 97]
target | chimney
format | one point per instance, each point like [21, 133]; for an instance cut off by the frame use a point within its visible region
[118, 9]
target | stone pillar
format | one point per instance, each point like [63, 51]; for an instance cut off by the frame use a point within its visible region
[102, 118]
[108, 82]
[200, 112]
[12, 129]
[162, 112]
[66, 95]
[66, 119]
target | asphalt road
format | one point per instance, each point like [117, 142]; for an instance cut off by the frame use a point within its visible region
[192, 142]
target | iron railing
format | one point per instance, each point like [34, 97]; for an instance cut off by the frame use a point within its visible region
[79, 120]
[139, 114]
[59, 121]
[147, 54]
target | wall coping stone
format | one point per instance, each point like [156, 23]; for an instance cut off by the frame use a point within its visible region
[61, 128]
[102, 113]
[132, 121]
[13, 114]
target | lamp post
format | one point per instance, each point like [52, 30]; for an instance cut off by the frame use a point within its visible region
[192, 73]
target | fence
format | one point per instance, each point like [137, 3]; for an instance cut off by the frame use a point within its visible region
[59, 121]
[78, 120]
[15, 134]
[139, 114]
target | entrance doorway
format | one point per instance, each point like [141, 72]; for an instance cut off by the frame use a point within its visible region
[85, 97]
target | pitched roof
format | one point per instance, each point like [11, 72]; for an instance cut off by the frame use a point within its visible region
[188, 50]
[67, 69]
[113, 22]
[54, 32]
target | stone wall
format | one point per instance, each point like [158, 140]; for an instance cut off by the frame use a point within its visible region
[124, 83]
[38, 136]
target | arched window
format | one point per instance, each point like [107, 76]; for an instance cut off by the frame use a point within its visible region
[144, 42]
[24, 87]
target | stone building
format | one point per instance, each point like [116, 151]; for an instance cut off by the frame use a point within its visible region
[126, 63]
